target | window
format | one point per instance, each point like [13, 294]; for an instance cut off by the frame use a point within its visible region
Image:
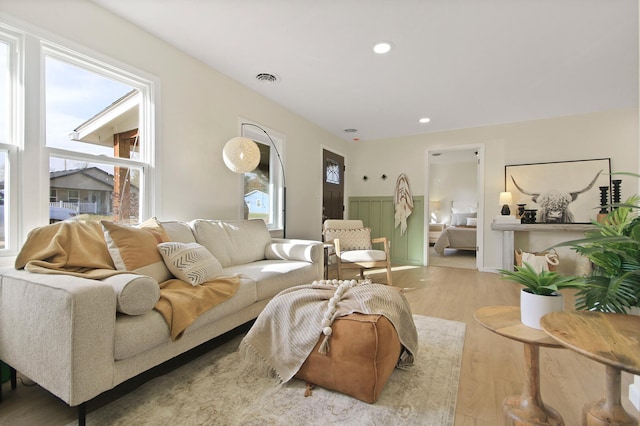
[10, 44]
[93, 110]
[263, 188]
[98, 137]
[332, 172]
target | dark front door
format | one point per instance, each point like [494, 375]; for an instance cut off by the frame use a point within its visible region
[333, 186]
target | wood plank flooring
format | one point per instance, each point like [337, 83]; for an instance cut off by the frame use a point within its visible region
[492, 366]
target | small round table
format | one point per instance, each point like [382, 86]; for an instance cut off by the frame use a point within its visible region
[528, 408]
[611, 339]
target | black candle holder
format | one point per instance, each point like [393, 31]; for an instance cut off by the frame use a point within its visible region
[529, 216]
[604, 199]
[615, 194]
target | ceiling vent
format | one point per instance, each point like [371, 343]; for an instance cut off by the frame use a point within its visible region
[266, 78]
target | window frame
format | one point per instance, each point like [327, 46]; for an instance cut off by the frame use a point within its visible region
[277, 175]
[27, 185]
[15, 137]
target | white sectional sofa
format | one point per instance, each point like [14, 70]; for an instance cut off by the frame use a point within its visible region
[64, 332]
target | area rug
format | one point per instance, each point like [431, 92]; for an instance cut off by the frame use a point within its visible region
[215, 389]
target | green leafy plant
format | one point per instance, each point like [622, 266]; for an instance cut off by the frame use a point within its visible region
[544, 283]
[614, 251]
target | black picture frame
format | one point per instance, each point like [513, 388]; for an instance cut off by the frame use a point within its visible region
[562, 191]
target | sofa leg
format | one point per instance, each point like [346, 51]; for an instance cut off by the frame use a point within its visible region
[14, 378]
[82, 414]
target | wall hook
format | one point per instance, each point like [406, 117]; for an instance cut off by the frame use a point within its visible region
[384, 177]
[365, 178]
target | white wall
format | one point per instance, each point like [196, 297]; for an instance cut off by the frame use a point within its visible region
[611, 134]
[199, 111]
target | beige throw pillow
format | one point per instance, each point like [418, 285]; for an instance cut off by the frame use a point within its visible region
[134, 249]
[190, 262]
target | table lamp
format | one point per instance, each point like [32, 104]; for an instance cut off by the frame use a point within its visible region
[505, 200]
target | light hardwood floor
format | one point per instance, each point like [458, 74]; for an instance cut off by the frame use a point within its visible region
[492, 366]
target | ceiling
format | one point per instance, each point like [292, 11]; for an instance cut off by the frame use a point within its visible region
[462, 63]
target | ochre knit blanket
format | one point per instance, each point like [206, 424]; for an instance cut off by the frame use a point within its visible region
[72, 248]
[181, 303]
[289, 327]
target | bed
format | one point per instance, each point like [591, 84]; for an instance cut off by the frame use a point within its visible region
[461, 233]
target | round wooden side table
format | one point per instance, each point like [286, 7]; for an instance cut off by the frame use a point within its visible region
[528, 408]
[611, 339]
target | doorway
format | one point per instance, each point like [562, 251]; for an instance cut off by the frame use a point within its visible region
[332, 186]
[454, 181]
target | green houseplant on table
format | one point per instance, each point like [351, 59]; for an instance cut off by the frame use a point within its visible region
[541, 292]
[614, 251]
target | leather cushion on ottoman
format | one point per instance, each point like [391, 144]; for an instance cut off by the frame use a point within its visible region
[363, 352]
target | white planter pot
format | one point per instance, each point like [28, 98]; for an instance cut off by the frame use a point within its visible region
[533, 307]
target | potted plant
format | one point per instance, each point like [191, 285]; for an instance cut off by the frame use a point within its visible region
[541, 292]
[613, 249]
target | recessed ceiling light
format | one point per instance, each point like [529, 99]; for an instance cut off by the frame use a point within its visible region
[424, 120]
[382, 47]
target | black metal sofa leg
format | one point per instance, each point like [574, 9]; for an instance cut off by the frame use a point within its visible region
[82, 414]
[14, 380]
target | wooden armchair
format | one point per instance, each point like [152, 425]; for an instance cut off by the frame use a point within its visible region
[354, 247]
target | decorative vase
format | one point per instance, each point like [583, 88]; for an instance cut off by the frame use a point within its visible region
[534, 306]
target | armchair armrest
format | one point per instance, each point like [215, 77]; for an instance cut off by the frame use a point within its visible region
[59, 331]
[385, 242]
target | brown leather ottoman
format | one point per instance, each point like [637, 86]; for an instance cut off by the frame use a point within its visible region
[364, 351]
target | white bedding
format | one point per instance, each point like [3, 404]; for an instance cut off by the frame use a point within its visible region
[456, 237]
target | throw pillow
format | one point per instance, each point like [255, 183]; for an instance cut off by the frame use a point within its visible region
[350, 239]
[190, 262]
[472, 221]
[134, 249]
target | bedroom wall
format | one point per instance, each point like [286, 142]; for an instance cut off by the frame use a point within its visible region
[199, 110]
[452, 182]
[609, 134]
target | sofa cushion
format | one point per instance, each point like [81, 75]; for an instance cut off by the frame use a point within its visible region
[233, 242]
[190, 262]
[273, 276]
[137, 334]
[135, 294]
[179, 231]
[135, 249]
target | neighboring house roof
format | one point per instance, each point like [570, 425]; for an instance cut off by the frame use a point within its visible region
[122, 114]
[89, 178]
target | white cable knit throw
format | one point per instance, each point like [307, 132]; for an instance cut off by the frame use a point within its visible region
[289, 327]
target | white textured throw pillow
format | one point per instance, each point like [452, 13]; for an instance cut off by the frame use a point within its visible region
[190, 262]
[350, 239]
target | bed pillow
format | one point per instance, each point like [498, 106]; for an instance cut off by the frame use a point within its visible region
[135, 248]
[472, 221]
[190, 262]
[458, 219]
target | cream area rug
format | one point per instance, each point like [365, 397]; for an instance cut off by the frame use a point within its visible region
[215, 389]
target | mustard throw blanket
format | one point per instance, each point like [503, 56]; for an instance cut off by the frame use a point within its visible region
[72, 248]
[289, 327]
[181, 303]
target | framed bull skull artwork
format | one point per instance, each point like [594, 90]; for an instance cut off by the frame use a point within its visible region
[560, 192]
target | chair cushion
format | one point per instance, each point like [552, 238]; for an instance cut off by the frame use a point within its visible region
[363, 256]
[350, 239]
